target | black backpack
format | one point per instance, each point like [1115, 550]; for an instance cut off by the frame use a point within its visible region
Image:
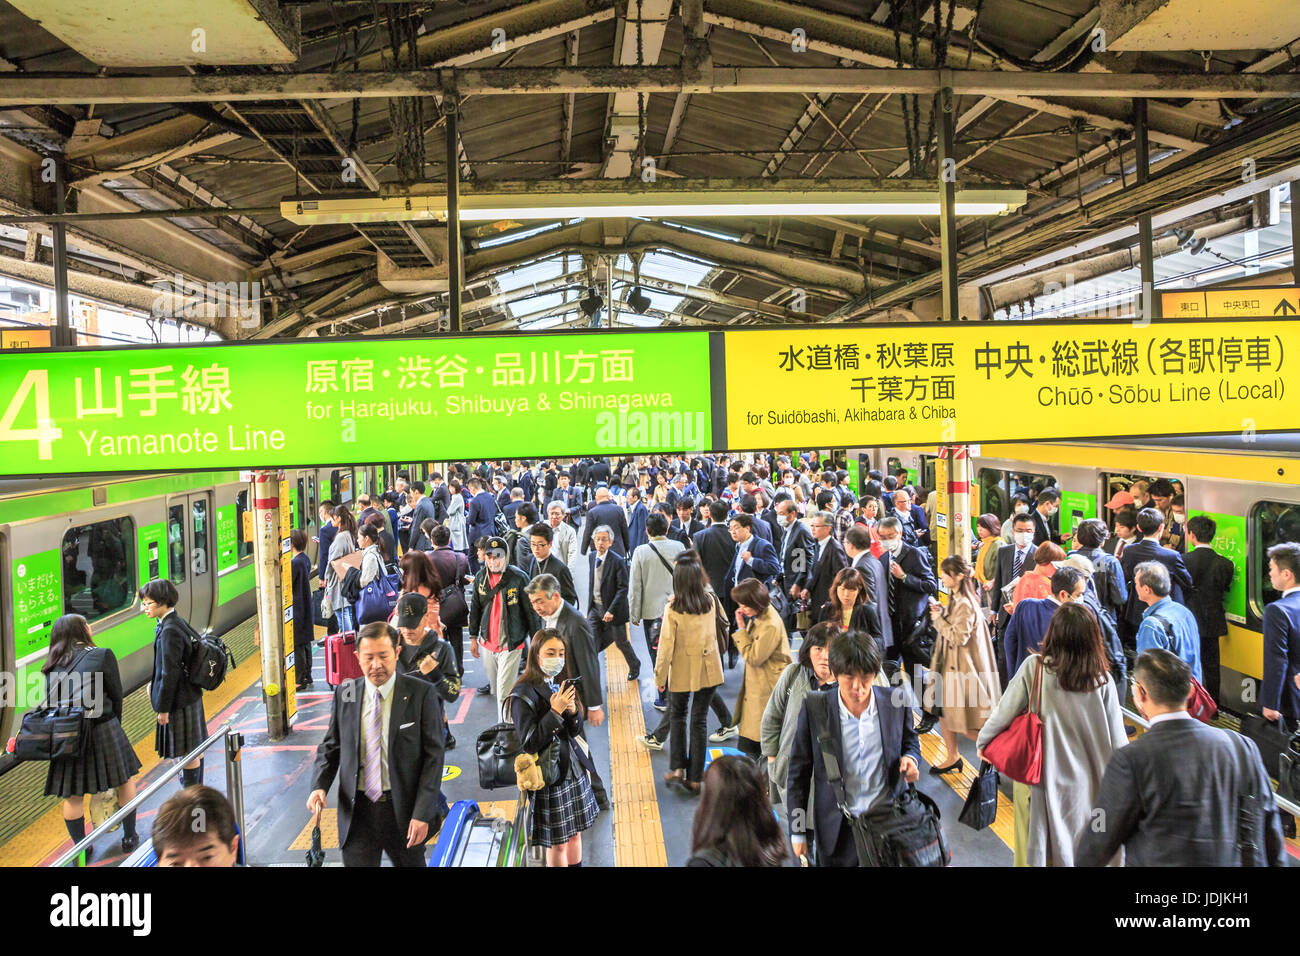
[207, 660]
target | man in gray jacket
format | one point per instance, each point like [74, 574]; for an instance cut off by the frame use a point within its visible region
[1183, 792]
[651, 584]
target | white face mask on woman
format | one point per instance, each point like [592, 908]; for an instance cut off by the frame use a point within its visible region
[551, 665]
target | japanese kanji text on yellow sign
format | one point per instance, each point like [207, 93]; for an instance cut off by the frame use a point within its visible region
[1015, 381]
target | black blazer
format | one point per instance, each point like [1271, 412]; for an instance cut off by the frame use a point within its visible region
[304, 626]
[1211, 577]
[1006, 561]
[866, 617]
[808, 768]
[871, 569]
[1141, 551]
[912, 592]
[583, 661]
[613, 587]
[607, 514]
[441, 498]
[444, 678]
[553, 565]
[716, 550]
[1043, 529]
[797, 553]
[1170, 799]
[171, 689]
[537, 725]
[414, 752]
[685, 535]
[821, 576]
[100, 696]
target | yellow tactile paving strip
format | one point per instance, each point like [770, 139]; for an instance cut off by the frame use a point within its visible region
[42, 837]
[932, 750]
[638, 831]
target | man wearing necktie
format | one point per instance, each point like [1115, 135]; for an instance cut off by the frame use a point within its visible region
[385, 745]
[607, 610]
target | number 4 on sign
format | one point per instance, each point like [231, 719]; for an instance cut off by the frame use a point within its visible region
[44, 434]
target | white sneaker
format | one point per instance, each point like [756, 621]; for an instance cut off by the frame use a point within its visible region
[726, 733]
[650, 742]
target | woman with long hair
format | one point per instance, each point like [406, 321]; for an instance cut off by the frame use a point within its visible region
[734, 824]
[989, 530]
[80, 673]
[688, 668]
[962, 667]
[1082, 727]
[419, 576]
[344, 544]
[848, 606]
[546, 714]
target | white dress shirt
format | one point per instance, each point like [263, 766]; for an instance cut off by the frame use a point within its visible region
[381, 696]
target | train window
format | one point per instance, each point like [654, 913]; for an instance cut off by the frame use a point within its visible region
[99, 568]
[199, 511]
[1275, 522]
[176, 544]
[299, 517]
[1115, 483]
[997, 489]
[243, 546]
[342, 485]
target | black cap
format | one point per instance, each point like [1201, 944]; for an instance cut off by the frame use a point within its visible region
[496, 543]
[411, 608]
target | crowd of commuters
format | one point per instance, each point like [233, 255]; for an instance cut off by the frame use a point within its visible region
[827, 600]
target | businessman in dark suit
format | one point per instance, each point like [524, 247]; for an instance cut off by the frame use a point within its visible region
[715, 547]
[826, 560]
[385, 745]
[1011, 563]
[440, 497]
[909, 581]
[1046, 507]
[558, 614]
[1175, 795]
[874, 770]
[1151, 524]
[605, 512]
[568, 496]
[1212, 575]
[686, 525]
[857, 546]
[794, 551]
[607, 609]
[480, 518]
[753, 557]
[1280, 694]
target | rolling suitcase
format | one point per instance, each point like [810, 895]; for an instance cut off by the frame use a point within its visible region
[340, 658]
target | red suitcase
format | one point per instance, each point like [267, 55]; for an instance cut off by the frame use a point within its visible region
[341, 658]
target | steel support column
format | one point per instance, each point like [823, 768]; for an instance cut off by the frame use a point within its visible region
[958, 500]
[455, 259]
[270, 602]
[947, 172]
[1149, 302]
[63, 336]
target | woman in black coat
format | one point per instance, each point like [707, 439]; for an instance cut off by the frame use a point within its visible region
[304, 624]
[177, 702]
[849, 607]
[544, 714]
[79, 673]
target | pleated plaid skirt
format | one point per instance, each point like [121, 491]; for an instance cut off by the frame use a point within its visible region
[564, 809]
[185, 729]
[106, 761]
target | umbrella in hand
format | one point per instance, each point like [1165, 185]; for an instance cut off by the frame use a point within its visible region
[315, 856]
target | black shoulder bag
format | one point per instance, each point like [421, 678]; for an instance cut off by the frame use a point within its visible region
[906, 833]
[496, 750]
[51, 733]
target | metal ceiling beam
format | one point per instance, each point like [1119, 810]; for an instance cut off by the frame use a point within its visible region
[165, 142]
[638, 40]
[20, 90]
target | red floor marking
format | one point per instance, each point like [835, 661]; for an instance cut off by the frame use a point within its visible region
[230, 711]
[466, 696]
[274, 748]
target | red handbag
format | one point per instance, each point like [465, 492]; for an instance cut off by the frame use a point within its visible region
[1200, 704]
[1017, 752]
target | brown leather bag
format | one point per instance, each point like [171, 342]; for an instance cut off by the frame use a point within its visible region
[722, 627]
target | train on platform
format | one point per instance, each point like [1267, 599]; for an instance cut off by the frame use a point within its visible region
[85, 545]
[1249, 484]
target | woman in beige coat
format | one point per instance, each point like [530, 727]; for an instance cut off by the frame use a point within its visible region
[765, 649]
[689, 668]
[963, 664]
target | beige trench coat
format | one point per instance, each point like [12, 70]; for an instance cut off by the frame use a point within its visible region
[969, 687]
[765, 648]
[688, 652]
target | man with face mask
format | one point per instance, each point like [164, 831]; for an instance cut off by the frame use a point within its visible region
[1011, 563]
[385, 746]
[1046, 526]
[909, 583]
[794, 553]
[500, 619]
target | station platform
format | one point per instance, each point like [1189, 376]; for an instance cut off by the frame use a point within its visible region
[648, 824]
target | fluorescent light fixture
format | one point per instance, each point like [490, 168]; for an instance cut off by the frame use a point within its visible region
[604, 203]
